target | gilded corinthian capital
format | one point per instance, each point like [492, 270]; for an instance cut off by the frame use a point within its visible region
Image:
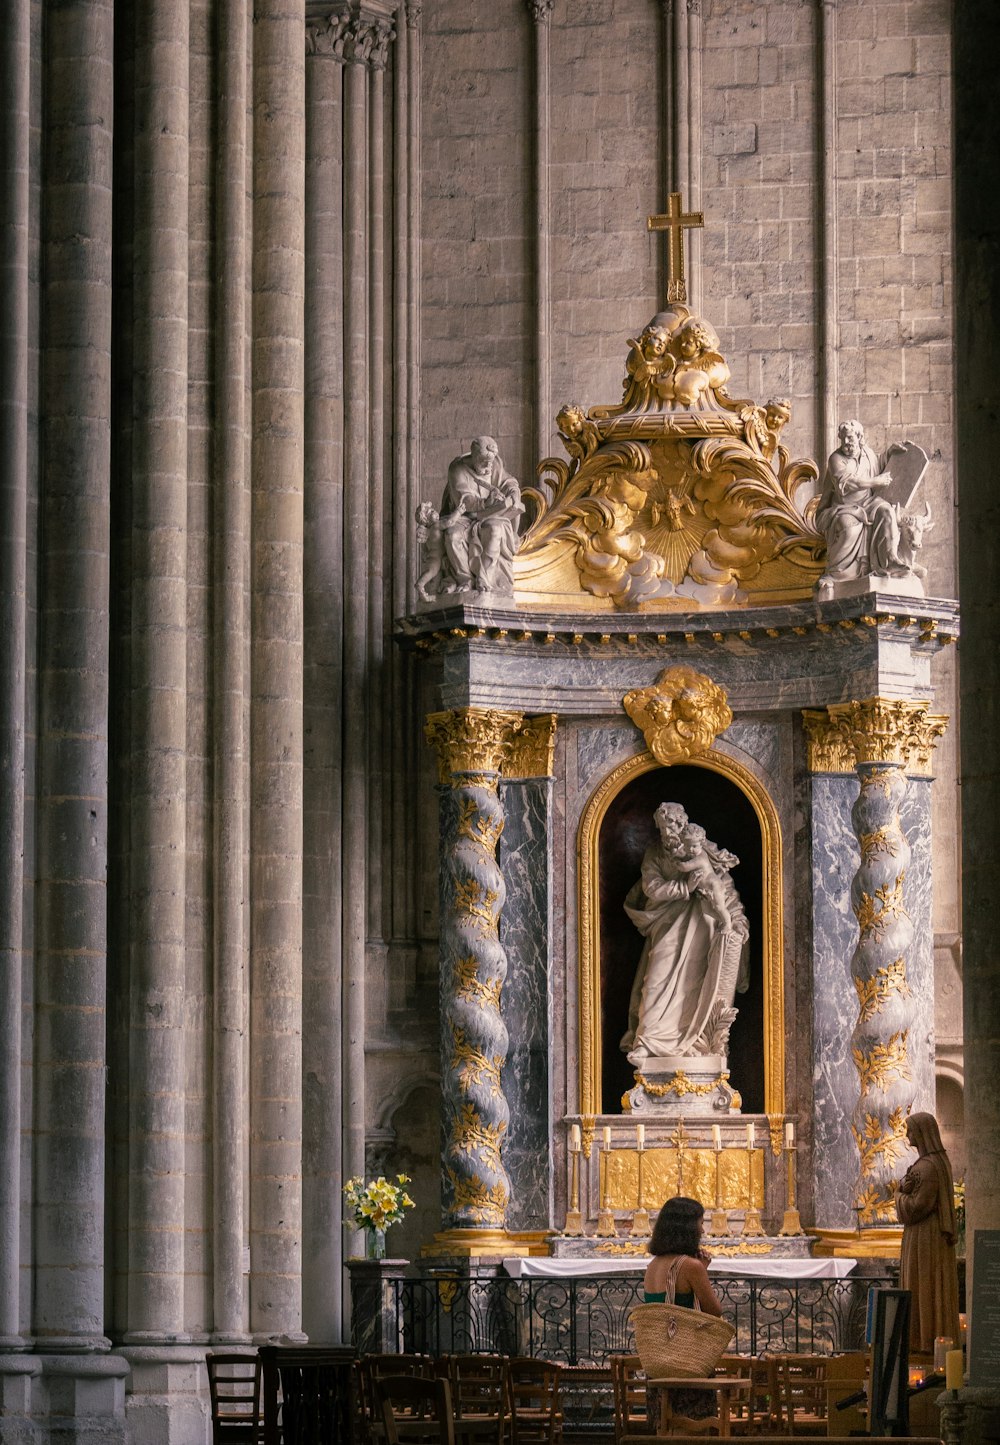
[879, 730]
[471, 739]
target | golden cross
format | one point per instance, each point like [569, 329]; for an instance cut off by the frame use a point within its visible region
[676, 221]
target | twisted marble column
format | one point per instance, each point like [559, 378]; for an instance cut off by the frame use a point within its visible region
[883, 739]
[471, 745]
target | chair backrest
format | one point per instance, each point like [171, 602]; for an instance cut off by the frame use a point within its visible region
[372, 1367]
[308, 1394]
[234, 1391]
[629, 1384]
[414, 1410]
[803, 1388]
[478, 1385]
[533, 1393]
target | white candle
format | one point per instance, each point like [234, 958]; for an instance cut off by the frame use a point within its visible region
[574, 1138]
[789, 1136]
[607, 1136]
[750, 1136]
[716, 1137]
[640, 1135]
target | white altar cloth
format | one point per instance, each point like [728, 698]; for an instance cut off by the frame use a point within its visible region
[770, 1268]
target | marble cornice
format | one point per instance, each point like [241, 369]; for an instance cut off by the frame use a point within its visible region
[354, 32]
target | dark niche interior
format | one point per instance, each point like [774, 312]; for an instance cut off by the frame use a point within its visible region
[728, 817]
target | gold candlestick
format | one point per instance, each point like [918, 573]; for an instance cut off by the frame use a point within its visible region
[574, 1219]
[719, 1225]
[791, 1224]
[640, 1219]
[752, 1222]
[679, 1139]
[606, 1220]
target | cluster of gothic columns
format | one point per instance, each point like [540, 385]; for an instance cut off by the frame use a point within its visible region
[204, 541]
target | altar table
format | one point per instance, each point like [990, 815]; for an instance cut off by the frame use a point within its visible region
[773, 1268]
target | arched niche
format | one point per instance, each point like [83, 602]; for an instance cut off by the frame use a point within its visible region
[617, 825]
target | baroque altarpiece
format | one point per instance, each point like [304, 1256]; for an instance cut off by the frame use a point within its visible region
[668, 632]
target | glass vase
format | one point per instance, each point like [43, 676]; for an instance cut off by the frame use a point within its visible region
[374, 1243]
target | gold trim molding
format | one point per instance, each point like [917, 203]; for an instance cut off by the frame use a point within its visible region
[879, 730]
[588, 875]
[680, 714]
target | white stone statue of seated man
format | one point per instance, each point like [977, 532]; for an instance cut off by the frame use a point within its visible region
[695, 957]
[861, 527]
[476, 535]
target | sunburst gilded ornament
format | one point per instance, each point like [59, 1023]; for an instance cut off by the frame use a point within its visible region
[680, 714]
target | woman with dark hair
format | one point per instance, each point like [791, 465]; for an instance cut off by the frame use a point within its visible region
[677, 1275]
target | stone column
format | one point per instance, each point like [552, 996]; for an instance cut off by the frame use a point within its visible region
[471, 744]
[828, 410]
[322, 921]
[14, 225]
[231, 533]
[71, 894]
[541, 12]
[276, 669]
[883, 738]
[158, 794]
[693, 200]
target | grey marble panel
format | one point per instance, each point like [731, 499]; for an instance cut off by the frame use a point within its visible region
[599, 749]
[915, 817]
[835, 859]
[525, 933]
[764, 742]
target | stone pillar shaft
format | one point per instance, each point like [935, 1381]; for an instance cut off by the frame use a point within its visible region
[71, 901]
[158, 789]
[543, 289]
[378, 865]
[14, 226]
[355, 613]
[322, 1205]
[231, 533]
[276, 667]
[471, 744]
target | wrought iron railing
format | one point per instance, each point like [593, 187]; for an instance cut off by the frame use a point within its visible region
[582, 1320]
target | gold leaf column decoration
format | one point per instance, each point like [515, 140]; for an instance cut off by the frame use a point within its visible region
[881, 740]
[473, 745]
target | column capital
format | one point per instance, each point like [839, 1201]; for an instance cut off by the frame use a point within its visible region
[354, 32]
[532, 747]
[414, 9]
[898, 731]
[471, 739]
[541, 10]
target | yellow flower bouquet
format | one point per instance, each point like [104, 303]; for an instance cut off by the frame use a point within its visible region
[374, 1207]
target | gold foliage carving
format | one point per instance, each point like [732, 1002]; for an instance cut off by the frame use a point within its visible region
[873, 992]
[470, 1135]
[875, 1208]
[475, 1067]
[875, 1144]
[881, 840]
[470, 987]
[877, 730]
[727, 1250]
[680, 714]
[476, 903]
[486, 1203]
[680, 1084]
[475, 825]
[875, 911]
[877, 1067]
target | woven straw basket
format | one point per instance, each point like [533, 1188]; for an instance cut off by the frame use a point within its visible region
[672, 1341]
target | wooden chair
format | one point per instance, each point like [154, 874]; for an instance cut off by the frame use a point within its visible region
[372, 1367]
[479, 1395]
[308, 1394]
[803, 1393]
[629, 1384]
[234, 1391]
[414, 1410]
[533, 1401]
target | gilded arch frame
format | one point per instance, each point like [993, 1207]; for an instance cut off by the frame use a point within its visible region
[589, 909]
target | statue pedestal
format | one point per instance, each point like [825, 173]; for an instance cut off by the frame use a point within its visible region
[696, 1085]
